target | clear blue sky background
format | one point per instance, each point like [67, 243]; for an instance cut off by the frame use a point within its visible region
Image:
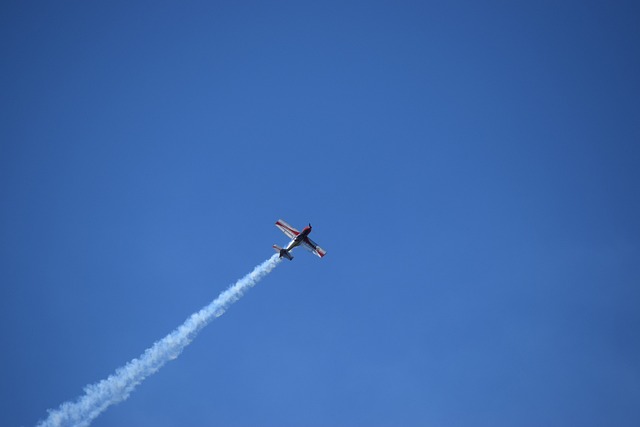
[472, 169]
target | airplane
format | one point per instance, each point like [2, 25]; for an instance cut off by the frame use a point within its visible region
[298, 238]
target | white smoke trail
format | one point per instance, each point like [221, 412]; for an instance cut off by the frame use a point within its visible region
[117, 387]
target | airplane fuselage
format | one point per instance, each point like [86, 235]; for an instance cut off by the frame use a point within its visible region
[299, 238]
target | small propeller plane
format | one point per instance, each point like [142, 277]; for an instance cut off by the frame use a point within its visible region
[298, 238]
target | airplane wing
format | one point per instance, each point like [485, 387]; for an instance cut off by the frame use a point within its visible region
[313, 247]
[287, 229]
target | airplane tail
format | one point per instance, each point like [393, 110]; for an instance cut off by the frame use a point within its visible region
[283, 252]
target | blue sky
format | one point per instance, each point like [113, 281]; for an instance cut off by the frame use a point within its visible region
[470, 167]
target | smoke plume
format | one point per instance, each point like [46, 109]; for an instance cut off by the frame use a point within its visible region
[117, 387]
